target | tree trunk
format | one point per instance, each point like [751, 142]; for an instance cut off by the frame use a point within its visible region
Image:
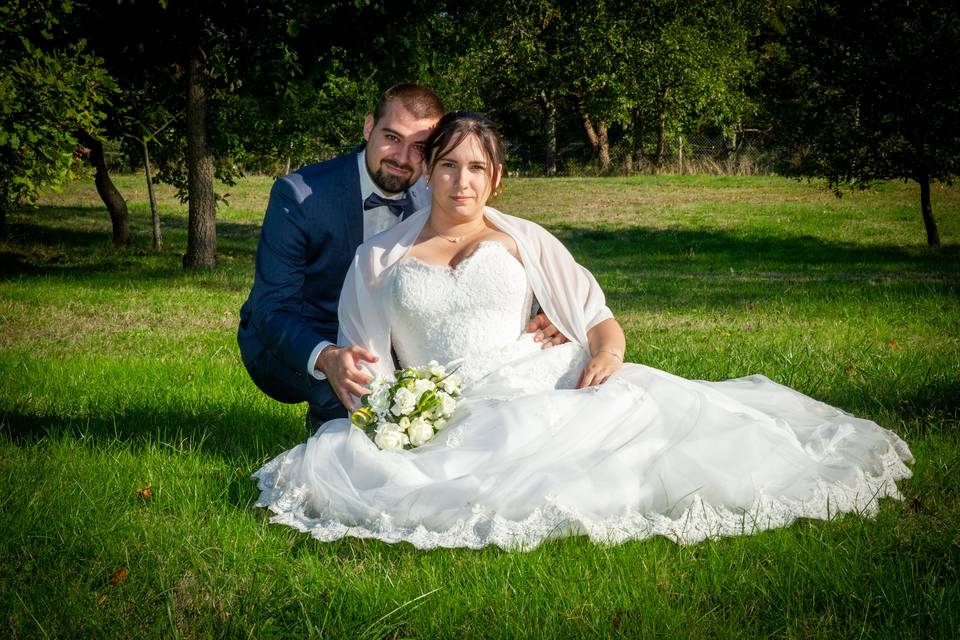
[4, 203]
[661, 130]
[636, 151]
[154, 213]
[933, 235]
[680, 153]
[112, 198]
[597, 137]
[603, 150]
[658, 151]
[202, 229]
[549, 132]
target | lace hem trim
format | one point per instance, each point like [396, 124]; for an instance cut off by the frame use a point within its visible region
[698, 522]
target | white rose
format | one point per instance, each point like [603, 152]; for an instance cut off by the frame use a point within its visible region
[380, 400]
[404, 401]
[447, 404]
[389, 436]
[435, 369]
[451, 384]
[438, 424]
[419, 431]
[422, 385]
[379, 383]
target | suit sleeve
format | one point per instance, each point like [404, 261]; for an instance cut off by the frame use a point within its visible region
[280, 269]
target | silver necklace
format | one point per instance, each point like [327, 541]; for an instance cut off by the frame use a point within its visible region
[455, 239]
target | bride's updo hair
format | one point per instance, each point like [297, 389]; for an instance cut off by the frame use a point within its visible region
[450, 131]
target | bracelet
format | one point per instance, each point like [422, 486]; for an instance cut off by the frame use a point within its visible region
[616, 353]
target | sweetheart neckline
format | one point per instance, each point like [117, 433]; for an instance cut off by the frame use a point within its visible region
[455, 268]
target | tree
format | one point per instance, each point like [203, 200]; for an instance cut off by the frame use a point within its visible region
[594, 67]
[684, 62]
[861, 92]
[520, 56]
[139, 127]
[51, 94]
[343, 64]
[194, 67]
[273, 79]
[108, 192]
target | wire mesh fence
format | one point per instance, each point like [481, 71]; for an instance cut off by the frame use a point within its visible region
[699, 154]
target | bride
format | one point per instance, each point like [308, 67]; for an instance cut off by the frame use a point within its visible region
[560, 441]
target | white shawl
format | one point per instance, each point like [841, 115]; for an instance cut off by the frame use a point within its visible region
[568, 294]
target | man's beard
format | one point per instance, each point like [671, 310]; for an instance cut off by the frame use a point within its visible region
[390, 183]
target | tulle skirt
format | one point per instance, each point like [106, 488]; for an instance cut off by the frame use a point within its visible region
[528, 457]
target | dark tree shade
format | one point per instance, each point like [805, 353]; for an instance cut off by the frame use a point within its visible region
[49, 93]
[860, 92]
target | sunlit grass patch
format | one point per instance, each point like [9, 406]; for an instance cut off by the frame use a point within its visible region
[119, 372]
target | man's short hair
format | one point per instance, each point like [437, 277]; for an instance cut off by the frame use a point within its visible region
[421, 102]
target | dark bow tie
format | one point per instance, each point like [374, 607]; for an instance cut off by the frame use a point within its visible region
[396, 205]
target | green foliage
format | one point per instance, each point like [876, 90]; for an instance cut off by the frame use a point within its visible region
[50, 93]
[245, 57]
[859, 92]
[651, 69]
[686, 65]
[854, 92]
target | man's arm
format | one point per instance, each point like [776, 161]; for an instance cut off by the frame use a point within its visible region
[277, 297]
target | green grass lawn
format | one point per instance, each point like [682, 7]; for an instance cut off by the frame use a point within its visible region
[120, 372]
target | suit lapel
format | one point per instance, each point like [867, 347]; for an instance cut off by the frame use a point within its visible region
[351, 203]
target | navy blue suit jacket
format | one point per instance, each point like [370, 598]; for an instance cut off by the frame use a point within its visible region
[311, 230]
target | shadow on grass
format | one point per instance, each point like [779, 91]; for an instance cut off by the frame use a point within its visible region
[53, 244]
[54, 230]
[686, 250]
[240, 434]
[89, 228]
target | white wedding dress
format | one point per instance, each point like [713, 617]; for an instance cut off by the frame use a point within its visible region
[528, 457]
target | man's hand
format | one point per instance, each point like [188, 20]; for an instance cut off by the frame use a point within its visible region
[546, 331]
[341, 365]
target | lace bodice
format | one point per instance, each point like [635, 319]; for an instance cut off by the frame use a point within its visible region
[470, 311]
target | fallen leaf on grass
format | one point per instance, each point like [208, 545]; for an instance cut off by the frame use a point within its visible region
[915, 505]
[893, 344]
[146, 493]
[119, 577]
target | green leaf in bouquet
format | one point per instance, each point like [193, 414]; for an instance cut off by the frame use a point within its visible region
[428, 400]
[363, 417]
[406, 375]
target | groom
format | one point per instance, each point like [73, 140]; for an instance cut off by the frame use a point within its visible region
[315, 220]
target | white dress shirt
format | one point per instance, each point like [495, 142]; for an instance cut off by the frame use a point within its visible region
[374, 222]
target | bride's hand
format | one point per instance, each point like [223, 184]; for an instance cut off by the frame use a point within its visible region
[599, 369]
[341, 365]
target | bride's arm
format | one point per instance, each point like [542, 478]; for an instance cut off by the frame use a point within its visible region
[607, 345]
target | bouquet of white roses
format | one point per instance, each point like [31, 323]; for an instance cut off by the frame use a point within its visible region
[407, 411]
